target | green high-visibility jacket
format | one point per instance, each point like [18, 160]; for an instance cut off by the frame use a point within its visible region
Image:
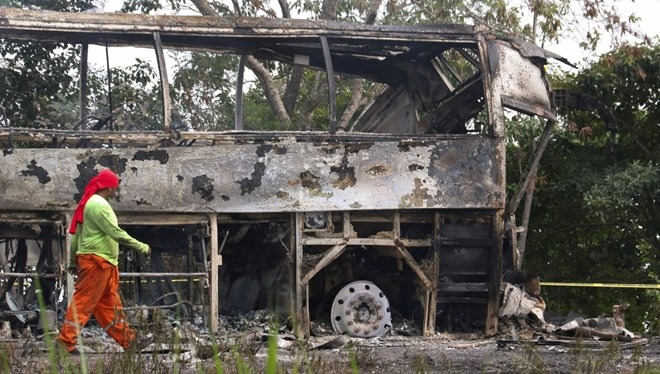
[99, 234]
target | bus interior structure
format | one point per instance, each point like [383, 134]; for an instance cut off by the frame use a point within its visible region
[404, 213]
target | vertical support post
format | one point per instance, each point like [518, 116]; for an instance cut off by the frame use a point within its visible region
[493, 106]
[190, 270]
[109, 73]
[82, 98]
[433, 299]
[164, 84]
[300, 302]
[426, 331]
[332, 90]
[67, 258]
[293, 277]
[238, 118]
[215, 264]
[396, 226]
[396, 235]
[495, 274]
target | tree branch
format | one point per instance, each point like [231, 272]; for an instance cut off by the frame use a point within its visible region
[353, 105]
[270, 89]
[265, 79]
[329, 10]
[205, 8]
[286, 12]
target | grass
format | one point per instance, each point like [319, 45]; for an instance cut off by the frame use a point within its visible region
[242, 357]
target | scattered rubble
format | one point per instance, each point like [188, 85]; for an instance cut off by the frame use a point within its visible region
[189, 346]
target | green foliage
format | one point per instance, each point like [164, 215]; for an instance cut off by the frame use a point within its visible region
[149, 6]
[59, 5]
[627, 81]
[42, 71]
[203, 91]
[595, 215]
[135, 97]
[6, 360]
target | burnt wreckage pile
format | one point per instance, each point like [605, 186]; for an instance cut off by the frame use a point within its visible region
[401, 215]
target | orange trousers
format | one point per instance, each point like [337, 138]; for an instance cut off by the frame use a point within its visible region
[96, 292]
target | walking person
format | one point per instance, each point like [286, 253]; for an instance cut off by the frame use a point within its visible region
[94, 254]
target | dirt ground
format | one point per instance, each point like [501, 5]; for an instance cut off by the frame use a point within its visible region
[243, 345]
[442, 353]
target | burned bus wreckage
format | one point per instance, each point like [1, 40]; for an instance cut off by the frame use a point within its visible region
[402, 215]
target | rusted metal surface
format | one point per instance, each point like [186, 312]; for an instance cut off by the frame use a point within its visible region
[519, 81]
[444, 173]
[151, 275]
[137, 29]
[417, 161]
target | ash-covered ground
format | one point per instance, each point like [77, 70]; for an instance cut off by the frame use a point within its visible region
[248, 343]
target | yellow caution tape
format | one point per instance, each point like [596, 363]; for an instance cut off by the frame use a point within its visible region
[604, 285]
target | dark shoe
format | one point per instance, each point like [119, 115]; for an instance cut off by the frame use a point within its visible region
[61, 348]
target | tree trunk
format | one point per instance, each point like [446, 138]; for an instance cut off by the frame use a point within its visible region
[293, 89]
[267, 83]
[295, 75]
[357, 89]
[205, 8]
[527, 209]
[329, 10]
[270, 89]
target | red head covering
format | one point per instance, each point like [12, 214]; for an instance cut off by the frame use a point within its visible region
[105, 179]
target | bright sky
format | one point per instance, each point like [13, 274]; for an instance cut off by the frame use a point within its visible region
[646, 10]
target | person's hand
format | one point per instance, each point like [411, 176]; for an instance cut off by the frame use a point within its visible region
[72, 269]
[148, 251]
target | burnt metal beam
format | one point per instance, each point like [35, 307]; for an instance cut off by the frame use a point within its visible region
[433, 301]
[429, 286]
[470, 57]
[451, 69]
[332, 90]
[300, 302]
[238, 118]
[214, 288]
[164, 83]
[84, 68]
[28, 275]
[414, 266]
[152, 138]
[526, 177]
[441, 74]
[200, 31]
[329, 256]
[163, 274]
[495, 274]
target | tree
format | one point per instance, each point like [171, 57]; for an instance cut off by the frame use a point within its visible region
[596, 215]
[43, 71]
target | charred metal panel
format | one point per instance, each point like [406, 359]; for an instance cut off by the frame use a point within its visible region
[453, 172]
[518, 80]
[392, 111]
